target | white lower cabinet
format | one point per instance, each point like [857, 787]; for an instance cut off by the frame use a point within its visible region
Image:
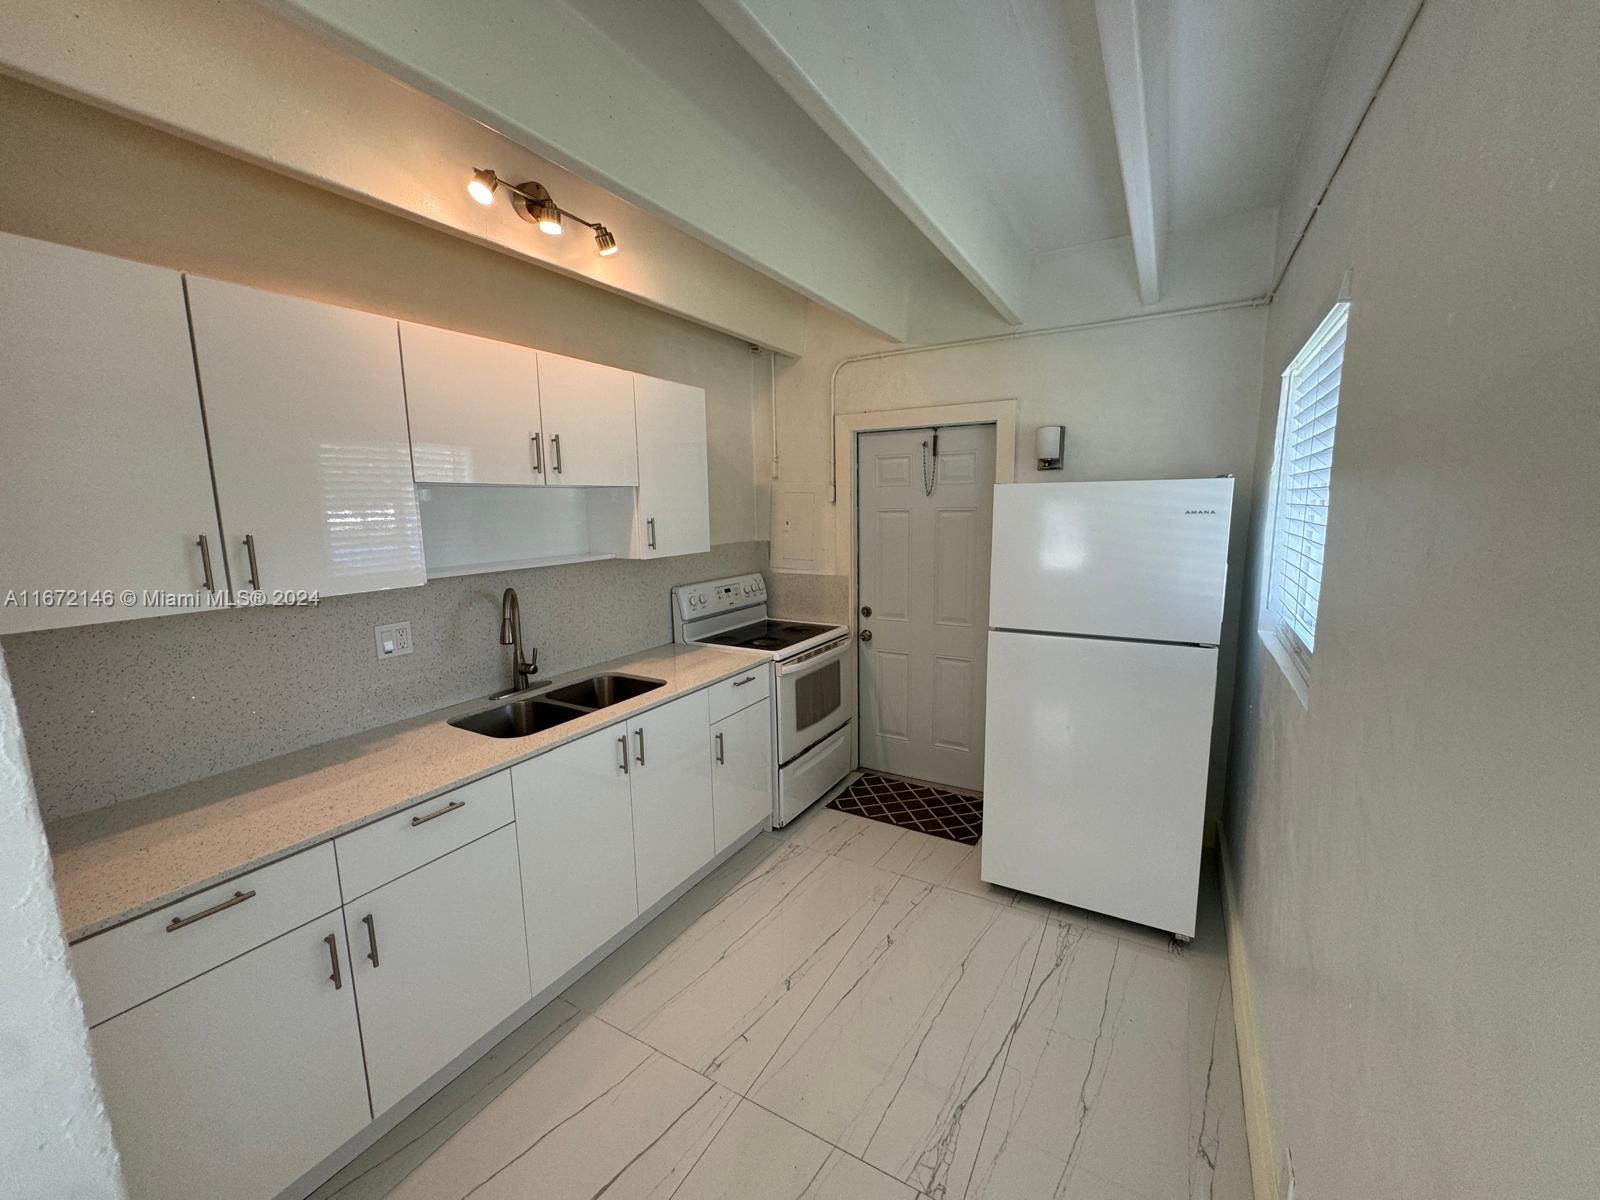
[741, 772]
[575, 831]
[440, 957]
[670, 768]
[239, 1081]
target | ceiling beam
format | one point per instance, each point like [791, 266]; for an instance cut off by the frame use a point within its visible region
[889, 122]
[1133, 41]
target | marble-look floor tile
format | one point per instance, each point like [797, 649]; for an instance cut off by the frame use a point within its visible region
[966, 877]
[759, 1156]
[628, 959]
[849, 836]
[923, 856]
[384, 1164]
[897, 1058]
[1121, 1079]
[722, 997]
[599, 1114]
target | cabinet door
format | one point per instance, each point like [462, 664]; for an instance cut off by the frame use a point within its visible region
[674, 492]
[443, 959]
[575, 833]
[241, 1080]
[671, 763]
[307, 420]
[103, 474]
[474, 407]
[588, 423]
[741, 772]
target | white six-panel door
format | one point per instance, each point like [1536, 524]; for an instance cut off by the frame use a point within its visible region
[924, 577]
[103, 474]
[588, 423]
[575, 831]
[237, 1082]
[306, 414]
[474, 408]
[674, 511]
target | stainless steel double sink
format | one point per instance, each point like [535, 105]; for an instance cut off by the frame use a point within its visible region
[528, 715]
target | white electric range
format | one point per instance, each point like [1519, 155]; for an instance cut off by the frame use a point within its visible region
[813, 682]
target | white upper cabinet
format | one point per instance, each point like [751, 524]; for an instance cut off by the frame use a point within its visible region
[588, 423]
[306, 414]
[103, 474]
[474, 406]
[674, 514]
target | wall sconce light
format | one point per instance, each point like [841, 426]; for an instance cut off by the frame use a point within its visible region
[1051, 439]
[533, 202]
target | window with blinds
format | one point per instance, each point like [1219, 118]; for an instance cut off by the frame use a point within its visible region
[1301, 474]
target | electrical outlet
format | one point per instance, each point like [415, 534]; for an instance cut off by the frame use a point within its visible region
[393, 640]
[1286, 1188]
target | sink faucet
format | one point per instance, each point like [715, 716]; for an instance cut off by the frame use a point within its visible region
[523, 670]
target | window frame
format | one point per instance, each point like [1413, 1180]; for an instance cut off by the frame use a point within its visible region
[1275, 627]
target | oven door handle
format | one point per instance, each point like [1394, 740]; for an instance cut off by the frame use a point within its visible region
[831, 654]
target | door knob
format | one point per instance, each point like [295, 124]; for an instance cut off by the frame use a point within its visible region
[866, 610]
[866, 635]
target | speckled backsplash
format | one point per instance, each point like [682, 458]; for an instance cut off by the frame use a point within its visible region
[115, 711]
[809, 597]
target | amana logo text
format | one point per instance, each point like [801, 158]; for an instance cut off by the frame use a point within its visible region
[1199, 512]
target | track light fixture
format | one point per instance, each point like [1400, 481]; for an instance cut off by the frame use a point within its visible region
[533, 202]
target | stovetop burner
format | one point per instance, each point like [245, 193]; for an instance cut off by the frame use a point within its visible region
[767, 635]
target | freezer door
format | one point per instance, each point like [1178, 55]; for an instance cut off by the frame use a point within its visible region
[1094, 786]
[1143, 559]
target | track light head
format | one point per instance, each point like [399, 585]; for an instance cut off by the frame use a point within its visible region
[482, 185]
[604, 240]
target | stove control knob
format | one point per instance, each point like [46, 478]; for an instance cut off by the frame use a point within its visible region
[701, 597]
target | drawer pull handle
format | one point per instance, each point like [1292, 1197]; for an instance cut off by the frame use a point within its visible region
[448, 808]
[372, 938]
[745, 680]
[538, 455]
[720, 757]
[555, 450]
[178, 923]
[205, 563]
[638, 735]
[650, 524]
[255, 571]
[622, 744]
[333, 957]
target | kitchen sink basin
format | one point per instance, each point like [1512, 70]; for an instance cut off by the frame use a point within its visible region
[602, 691]
[520, 718]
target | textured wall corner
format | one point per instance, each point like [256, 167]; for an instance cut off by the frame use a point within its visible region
[55, 1141]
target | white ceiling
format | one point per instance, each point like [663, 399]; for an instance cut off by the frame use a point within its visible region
[849, 147]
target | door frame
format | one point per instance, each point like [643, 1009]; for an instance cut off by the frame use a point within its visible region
[1002, 414]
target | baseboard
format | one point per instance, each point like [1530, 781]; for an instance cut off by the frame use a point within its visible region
[1257, 1123]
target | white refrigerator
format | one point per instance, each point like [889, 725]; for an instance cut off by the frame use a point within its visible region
[1105, 611]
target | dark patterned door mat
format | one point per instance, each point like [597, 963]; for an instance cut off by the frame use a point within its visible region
[918, 806]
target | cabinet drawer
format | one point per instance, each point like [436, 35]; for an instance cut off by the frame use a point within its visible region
[128, 965]
[387, 849]
[743, 690]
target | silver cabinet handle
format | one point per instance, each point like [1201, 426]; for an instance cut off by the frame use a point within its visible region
[255, 571]
[622, 744]
[178, 923]
[333, 956]
[745, 680]
[639, 737]
[538, 455]
[720, 758]
[448, 808]
[372, 938]
[205, 563]
[650, 524]
[555, 451]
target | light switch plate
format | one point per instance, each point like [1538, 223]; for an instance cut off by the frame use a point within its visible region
[393, 640]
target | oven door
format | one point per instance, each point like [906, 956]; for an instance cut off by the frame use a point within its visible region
[816, 695]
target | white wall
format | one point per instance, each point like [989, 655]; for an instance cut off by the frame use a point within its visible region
[55, 1142]
[1414, 850]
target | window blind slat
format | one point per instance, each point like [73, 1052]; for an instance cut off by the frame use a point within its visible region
[1304, 477]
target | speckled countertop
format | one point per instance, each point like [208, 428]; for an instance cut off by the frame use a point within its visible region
[121, 862]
